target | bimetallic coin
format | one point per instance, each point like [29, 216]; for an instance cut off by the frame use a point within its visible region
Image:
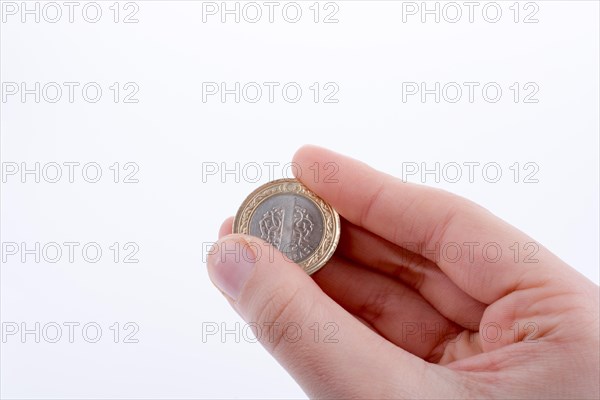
[290, 217]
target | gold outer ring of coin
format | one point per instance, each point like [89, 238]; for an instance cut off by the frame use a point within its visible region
[331, 219]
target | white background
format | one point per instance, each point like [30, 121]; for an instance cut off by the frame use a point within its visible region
[170, 132]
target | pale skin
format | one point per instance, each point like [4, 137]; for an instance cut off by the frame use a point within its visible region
[412, 321]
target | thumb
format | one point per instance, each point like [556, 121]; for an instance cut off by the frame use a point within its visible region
[320, 344]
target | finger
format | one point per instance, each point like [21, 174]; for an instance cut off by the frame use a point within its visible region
[226, 227]
[412, 269]
[428, 221]
[286, 307]
[397, 312]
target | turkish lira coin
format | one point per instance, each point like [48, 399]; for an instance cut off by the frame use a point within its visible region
[293, 219]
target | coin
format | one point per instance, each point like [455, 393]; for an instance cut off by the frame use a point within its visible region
[293, 219]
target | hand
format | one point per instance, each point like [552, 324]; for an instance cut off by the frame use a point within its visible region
[423, 298]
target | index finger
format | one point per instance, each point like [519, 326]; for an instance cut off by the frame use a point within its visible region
[458, 235]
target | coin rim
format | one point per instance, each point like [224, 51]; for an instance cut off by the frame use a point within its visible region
[331, 219]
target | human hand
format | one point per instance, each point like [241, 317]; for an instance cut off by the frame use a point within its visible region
[419, 309]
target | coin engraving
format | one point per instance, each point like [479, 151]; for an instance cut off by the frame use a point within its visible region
[293, 219]
[303, 228]
[290, 222]
[271, 226]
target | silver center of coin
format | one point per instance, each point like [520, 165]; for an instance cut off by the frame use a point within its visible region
[290, 222]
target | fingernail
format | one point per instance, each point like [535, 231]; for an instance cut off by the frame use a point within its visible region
[231, 265]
